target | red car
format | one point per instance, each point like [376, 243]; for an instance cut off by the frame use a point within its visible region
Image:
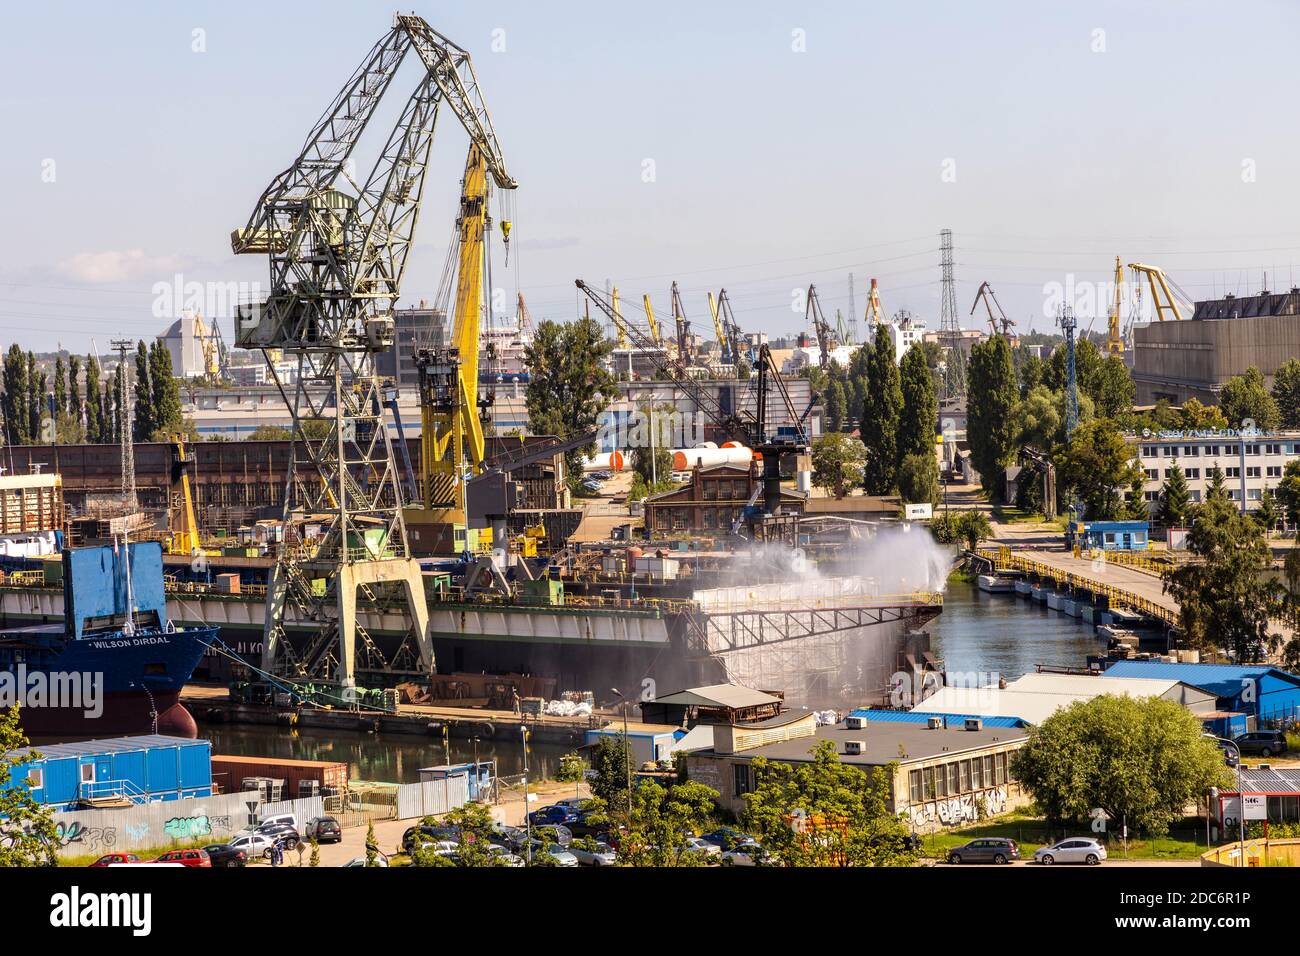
[113, 858]
[186, 858]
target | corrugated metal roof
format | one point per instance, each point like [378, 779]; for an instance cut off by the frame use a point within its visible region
[1285, 780]
[1086, 685]
[1223, 679]
[719, 695]
[110, 745]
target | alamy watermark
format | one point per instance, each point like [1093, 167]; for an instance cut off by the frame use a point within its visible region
[61, 690]
[177, 296]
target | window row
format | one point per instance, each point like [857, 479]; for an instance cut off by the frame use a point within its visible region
[958, 777]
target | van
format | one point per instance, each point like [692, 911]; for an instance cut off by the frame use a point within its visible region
[279, 820]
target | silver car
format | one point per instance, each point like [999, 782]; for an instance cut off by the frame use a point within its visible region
[598, 855]
[1072, 850]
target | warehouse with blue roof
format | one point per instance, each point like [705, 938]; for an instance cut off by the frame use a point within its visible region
[1261, 691]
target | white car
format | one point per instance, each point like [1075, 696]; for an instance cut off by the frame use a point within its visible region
[601, 855]
[746, 853]
[440, 847]
[561, 856]
[1072, 850]
[253, 844]
[703, 847]
[380, 860]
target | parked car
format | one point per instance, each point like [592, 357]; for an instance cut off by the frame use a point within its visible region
[324, 829]
[561, 856]
[724, 838]
[223, 854]
[380, 860]
[746, 853]
[554, 814]
[599, 854]
[501, 856]
[279, 820]
[701, 846]
[1072, 850]
[285, 834]
[1262, 742]
[1230, 756]
[423, 833]
[511, 838]
[555, 833]
[573, 803]
[193, 858]
[253, 844]
[116, 859]
[448, 848]
[985, 851]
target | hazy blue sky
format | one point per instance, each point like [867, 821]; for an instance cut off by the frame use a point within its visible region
[1169, 137]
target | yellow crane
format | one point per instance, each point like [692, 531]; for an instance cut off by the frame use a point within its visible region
[181, 520]
[1114, 337]
[451, 413]
[650, 319]
[723, 347]
[1165, 293]
[875, 314]
[619, 323]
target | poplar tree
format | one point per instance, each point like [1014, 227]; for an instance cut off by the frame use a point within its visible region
[920, 413]
[880, 417]
[94, 403]
[144, 424]
[165, 414]
[991, 398]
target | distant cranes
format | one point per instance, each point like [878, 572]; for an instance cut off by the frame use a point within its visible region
[987, 296]
[814, 315]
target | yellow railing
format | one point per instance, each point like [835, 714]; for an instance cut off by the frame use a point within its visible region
[23, 579]
[1004, 559]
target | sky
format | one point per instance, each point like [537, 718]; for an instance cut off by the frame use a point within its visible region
[757, 146]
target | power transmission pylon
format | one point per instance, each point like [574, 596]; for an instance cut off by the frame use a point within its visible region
[949, 326]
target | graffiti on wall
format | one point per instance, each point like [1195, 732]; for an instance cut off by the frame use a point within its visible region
[187, 828]
[967, 808]
[87, 838]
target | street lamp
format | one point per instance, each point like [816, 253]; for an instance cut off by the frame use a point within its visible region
[528, 823]
[1241, 793]
[627, 749]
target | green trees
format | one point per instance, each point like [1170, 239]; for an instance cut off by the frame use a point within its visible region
[1097, 463]
[1225, 598]
[611, 761]
[1141, 760]
[27, 834]
[1244, 397]
[568, 386]
[165, 394]
[824, 812]
[1268, 512]
[837, 406]
[837, 460]
[918, 479]
[1288, 491]
[919, 415]
[17, 414]
[1175, 499]
[1196, 416]
[991, 398]
[1286, 392]
[974, 527]
[145, 414]
[95, 425]
[660, 817]
[881, 411]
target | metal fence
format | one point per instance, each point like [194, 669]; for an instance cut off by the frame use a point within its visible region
[432, 797]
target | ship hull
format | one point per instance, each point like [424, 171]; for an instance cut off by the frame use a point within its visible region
[126, 713]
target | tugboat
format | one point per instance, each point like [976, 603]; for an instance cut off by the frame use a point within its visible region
[116, 665]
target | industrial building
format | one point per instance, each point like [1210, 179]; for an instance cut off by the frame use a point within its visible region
[1263, 692]
[1194, 358]
[1035, 697]
[118, 772]
[1250, 462]
[944, 776]
[416, 328]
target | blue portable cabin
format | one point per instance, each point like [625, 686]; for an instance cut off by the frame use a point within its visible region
[140, 770]
[1110, 535]
[1259, 690]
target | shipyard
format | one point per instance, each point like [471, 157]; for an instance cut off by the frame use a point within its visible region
[448, 443]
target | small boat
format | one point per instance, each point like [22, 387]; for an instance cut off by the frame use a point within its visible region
[996, 584]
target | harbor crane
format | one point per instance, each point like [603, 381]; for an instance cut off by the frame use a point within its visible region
[1166, 294]
[754, 429]
[990, 300]
[682, 326]
[1114, 336]
[650, 320]
[813, 315]
[337, 251]
[724, 324]
[875, 314]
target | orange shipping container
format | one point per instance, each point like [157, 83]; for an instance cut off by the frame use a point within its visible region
[228, 772]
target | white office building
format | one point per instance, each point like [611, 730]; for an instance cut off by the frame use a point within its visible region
[1250, 462]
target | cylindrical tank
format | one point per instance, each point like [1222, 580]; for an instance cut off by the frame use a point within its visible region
[803, 481]
[608, 461]
[687, 458]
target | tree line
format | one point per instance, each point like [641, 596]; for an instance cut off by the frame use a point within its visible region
[897, 412]
[83, 402]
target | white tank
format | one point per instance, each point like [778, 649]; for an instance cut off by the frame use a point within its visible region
[686, 458]
[608, 461]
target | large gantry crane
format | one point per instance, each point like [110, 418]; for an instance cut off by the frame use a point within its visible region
[337, 251]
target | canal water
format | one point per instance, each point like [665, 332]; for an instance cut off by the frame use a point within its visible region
[1006, 634]
[984, 633]
[391, 758]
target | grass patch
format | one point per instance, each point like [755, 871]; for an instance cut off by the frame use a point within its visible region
[962, 576]
[146, 855]
[1185, 842]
